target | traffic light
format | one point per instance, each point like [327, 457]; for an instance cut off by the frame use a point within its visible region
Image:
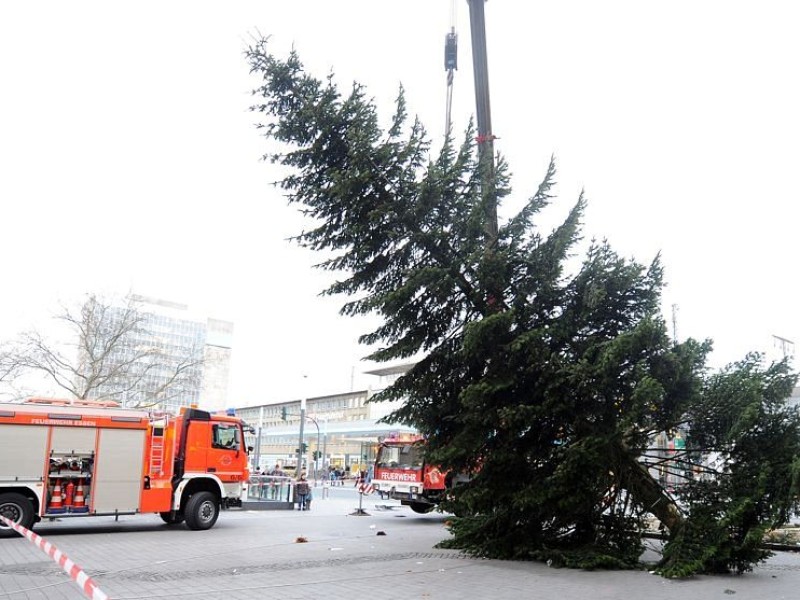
[317, 454]
[283, 413]
[305, 447]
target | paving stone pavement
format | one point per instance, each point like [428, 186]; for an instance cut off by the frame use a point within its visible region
[260, 554]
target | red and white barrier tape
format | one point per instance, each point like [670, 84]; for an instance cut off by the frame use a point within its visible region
[75, 573]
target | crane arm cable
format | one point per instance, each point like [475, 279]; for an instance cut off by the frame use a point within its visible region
[450, 65]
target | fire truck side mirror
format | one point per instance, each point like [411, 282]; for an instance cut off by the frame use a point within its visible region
[250, 449]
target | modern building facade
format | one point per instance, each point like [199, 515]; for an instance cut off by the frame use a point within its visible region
[183, 358]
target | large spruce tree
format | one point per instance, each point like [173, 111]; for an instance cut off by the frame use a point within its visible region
[546, 379]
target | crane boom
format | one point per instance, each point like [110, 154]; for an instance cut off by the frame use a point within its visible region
[480, 69]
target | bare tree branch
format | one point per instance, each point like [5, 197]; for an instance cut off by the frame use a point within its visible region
[111, 354]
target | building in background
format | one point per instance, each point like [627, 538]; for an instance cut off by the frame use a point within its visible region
[794, 399]
[780, 348]
[341, 430]
[216, 368]
[193, 358]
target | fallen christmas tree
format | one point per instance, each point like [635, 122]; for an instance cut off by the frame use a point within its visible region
[549, 383]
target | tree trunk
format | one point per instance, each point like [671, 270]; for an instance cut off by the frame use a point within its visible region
[649, 493]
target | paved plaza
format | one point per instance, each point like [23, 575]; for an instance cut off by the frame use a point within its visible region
[330, 554]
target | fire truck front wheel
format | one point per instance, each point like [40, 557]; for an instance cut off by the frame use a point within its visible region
[202, 511]
[421, 507]
[16, 508]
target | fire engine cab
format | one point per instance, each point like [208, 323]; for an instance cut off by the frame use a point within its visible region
[62, 458]
[401, 473]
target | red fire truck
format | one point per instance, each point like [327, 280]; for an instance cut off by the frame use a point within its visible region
[61, 458]
[401, 473]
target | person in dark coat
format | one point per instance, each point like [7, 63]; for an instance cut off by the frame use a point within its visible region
[303, 491]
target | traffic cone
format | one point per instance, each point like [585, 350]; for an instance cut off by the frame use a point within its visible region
[79, 506]
[56, 502]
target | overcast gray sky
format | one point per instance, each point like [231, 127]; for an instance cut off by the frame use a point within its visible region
[129, 159]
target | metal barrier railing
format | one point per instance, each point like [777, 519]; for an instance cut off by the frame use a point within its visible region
[270, 488]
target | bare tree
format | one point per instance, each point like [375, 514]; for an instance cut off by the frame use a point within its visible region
[109, 350]
[8, 367]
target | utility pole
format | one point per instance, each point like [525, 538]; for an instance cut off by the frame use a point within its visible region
[480, 68]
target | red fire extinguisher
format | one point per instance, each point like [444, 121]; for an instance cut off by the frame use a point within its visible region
[69, 494]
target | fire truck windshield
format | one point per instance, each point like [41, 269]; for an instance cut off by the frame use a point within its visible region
[400, 457]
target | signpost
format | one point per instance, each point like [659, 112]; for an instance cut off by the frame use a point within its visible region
[363, 488]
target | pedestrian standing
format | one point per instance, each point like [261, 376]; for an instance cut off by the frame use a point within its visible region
[303, 490]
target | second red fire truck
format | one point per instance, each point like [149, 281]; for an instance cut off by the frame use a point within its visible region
[401, 473]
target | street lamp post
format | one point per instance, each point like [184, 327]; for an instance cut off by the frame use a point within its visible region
[325, 443]
[298, 470]
[316, 460]
[257, 457]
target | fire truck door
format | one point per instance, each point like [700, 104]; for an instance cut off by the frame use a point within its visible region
[226, 456]
[119, 470]
[23, 452]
